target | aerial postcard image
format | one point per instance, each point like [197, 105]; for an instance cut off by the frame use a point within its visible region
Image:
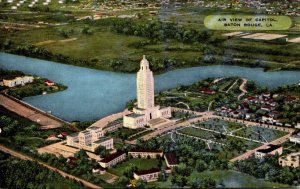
[149, 94]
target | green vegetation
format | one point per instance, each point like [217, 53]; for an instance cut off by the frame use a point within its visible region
[15, 173]
[140, 163]
[37, 87]
[269, 170]
[170, 42]
[22, 134]
[192, 97]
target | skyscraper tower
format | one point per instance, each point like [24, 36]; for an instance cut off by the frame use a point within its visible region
[145, 86]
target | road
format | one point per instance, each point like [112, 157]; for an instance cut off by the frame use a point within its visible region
[30, 112]
[62, 173]
[242, 88]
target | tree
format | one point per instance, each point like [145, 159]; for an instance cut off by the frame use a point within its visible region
[140, 184]
[207, 182]
[101, 151]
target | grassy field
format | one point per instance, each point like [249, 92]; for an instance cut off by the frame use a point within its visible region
[103, 46]
[141, 163]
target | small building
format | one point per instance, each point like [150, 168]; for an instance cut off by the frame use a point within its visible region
[171, 160]
[290, 160]
[145, 153]
[271, 149]
[295, 138]
[207, 91]
[147, 175]
[49, 82]
[112, 159]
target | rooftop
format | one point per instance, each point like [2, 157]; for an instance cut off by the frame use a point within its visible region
[102, 139]
[135, 115]
[146, 150]
[112, 157]
[93, 128]
[149, 171]
[271, 148]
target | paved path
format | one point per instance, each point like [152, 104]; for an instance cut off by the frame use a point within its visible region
[232, 86]
[228, 134]
[184, 104]
[251, 152]
[242, 88]
[25, 110]
[209, 105]
[62, 173]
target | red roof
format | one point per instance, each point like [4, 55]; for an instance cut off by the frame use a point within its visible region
[64, 134]
[251, 98]
[48, 81]
[149, 171]
[207, 91]
[111, 157]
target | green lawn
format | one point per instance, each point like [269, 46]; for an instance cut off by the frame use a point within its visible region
[141, 163]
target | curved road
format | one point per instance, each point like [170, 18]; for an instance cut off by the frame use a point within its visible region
[242, 88]
[62, 173]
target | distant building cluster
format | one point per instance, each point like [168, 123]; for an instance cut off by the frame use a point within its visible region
[265, 109]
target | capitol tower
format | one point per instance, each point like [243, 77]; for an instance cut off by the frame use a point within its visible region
[146, 113]
[145, 85]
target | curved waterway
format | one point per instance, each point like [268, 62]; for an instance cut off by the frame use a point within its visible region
[93, 94]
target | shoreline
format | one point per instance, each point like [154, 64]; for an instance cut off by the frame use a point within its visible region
[46, 120]
[265, 69]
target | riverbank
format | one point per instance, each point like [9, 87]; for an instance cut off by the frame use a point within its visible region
[46, 120]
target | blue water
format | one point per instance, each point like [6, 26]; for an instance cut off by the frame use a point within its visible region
[93, 94]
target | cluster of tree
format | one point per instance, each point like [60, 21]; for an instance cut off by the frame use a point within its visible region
[203, 182]
[9, 126]
[81, 167]
[289, 111]
[269, 169]
[40, 52]
[160, 31]
[27, 174]
[10, 74]
[65, 33]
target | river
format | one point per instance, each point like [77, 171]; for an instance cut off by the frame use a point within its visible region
[93, 94]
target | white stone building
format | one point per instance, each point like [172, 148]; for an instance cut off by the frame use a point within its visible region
[17, 81]
[147, 175]
[90, 139]
[145, 153]
[271, 149]
[112, 160]
[290, 160]
[146, 109]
